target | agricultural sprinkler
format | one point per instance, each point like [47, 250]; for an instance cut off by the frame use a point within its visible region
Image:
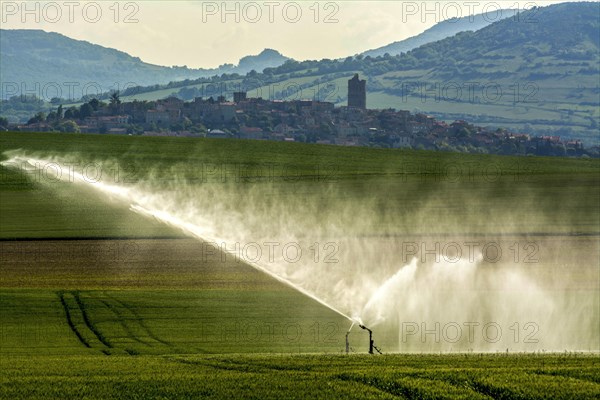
[347, 343]
[371, 343]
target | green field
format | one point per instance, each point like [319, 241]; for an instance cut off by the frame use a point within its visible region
[304, 376]
[97, 301]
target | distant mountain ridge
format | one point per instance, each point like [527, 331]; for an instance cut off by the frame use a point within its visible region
[439, 31]
[35, 57]
[268, 58]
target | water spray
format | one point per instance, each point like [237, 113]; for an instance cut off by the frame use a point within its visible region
[508, 293]
[133, 196]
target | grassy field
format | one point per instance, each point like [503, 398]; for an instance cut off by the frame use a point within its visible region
[303, 376]
[99, 302]
[564, 190]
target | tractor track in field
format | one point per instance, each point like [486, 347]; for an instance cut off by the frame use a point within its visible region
[90, 325]
[121, 318]
[79, 321]
[137, 318]
[405, 390]
[72, 326]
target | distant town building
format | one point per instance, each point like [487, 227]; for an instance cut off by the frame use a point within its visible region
[162, 116]
[357, 92]
[217, 134]
[247, 132]
[158, 117]
[107, 122]
[239, 97]
[307, 121]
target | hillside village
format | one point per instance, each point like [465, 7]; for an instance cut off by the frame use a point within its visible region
[310, 121]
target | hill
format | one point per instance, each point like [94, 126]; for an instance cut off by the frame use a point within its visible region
[30, 57]
[440, 31]
[268, 58]
[535, 73]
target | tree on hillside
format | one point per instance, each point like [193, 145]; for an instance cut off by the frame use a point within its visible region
[39, 117]
[86, 110]
[51, 117]
[115, 101]
[95, 104]
[69, 126]
[72, 113]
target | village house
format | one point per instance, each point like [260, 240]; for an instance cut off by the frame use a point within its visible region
[217, 134]
[158, 117]
[109, 122]
[247, 132]
[399, 142]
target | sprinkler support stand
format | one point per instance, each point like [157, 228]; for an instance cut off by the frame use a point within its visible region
[371, 343]
[347, 343]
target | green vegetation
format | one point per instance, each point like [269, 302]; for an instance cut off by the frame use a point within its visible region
[561, 189]
[147, 154]
[300, 377]
[114, 305]
[22, 108]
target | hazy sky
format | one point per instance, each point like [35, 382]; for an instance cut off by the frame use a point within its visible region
[210, 33]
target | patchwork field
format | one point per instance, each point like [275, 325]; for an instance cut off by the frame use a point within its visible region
[97, 301]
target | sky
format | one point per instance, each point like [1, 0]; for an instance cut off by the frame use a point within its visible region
[206, 34]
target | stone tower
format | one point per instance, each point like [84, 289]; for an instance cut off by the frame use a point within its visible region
[357, 92]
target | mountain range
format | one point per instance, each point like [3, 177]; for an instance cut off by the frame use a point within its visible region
[441, 31]
[30, 57]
